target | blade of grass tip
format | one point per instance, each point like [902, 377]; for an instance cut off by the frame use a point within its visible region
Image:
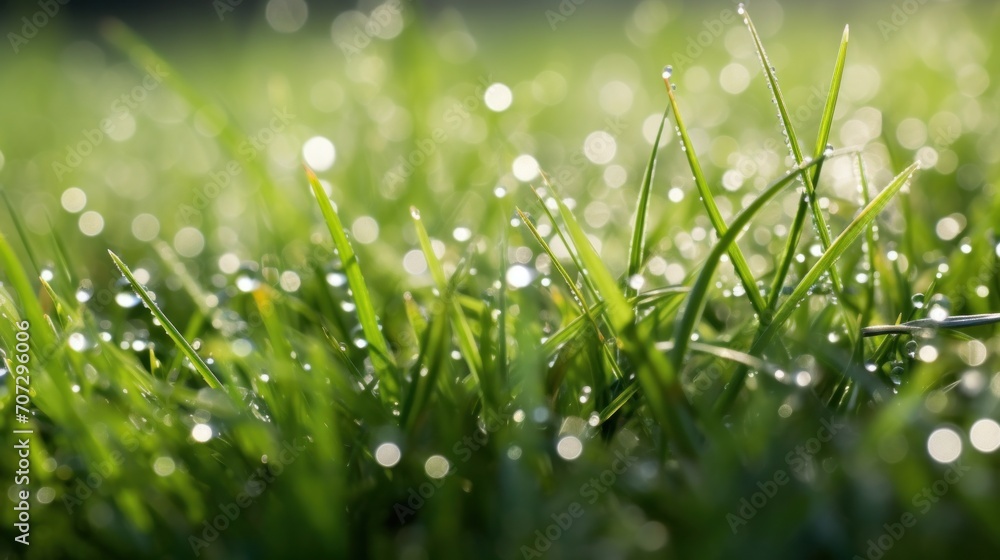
[637, 249]
[377, 347]
[660, 384]
[822, 140]
[735, 254]
[172, 332]
[918, 325]
[191, 286]
[823, 264]
[698, 296]
[463, 332]
[793, 142]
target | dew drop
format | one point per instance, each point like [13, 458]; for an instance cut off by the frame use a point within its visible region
[336, 279]
[83, 295]
[127, 298]
[668, 70]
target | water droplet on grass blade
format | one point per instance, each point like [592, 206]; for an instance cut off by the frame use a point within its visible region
[336, 279]
[127, 298]
[668, 70]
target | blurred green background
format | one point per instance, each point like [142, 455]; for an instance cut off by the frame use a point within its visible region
[452, 109]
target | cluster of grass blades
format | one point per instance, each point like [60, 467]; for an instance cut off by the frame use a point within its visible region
[460, 418]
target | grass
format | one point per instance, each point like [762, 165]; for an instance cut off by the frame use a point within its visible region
[470, 365]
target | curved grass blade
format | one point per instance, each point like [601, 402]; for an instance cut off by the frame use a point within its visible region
[577, 296]
[735, 254]
[463, 332]
[172, 332]
[427, 369]
[699, 293]
[587, 281]
[30, 305]
[637, 249]
[660, 384]
[19, 227]
[378, 350]
[808, 199]
[823, 265]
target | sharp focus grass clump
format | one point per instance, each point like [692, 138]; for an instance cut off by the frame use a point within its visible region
[777, 356]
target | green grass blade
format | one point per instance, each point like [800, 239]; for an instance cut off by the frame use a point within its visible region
[870, 240]
[172, 332]
[428, 368]
[378, 349]
[918, 325]
[826, 121]
[809, 198]
[19, 226]
[660, 384]
[463, 331]
[823, 265]
[735, 254]
[577, 296]
[699, 292]
[638, 247]
[587, 281]
[837, 248]
[30, 305]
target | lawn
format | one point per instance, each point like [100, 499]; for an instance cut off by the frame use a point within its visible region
[571, 280]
